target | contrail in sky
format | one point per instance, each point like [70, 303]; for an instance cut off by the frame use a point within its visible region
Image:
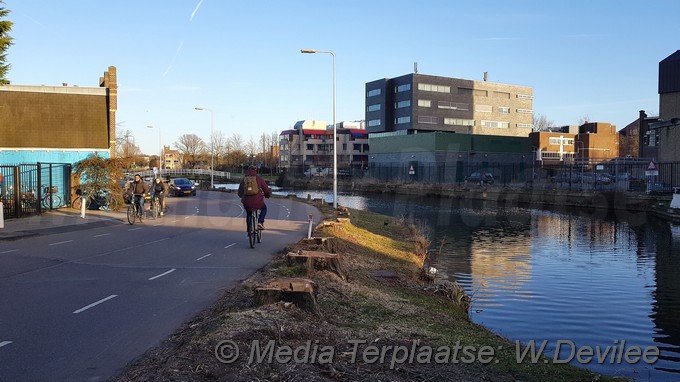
[195, 10]
[179, 49]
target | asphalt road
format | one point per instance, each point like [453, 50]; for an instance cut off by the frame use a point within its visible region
[79, 305]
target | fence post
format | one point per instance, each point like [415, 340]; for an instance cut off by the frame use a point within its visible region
[2, 215]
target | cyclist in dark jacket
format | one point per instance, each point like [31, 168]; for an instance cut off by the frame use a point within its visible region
[139, 189]
[255, 202]
[158, 191]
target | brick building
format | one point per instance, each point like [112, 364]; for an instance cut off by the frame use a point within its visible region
[58, 124]
[668, 126]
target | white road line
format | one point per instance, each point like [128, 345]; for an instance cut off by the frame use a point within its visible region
[175, 221]
[157, 241]
[203, 257]
[10, 250]
[5, 343]
[61, 242]
[94, 304]
[162, 274]
[103, 234]
[135, 229]
[230, 245]
[186, 217]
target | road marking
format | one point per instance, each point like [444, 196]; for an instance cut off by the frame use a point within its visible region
[10, 250]
[186, 217]
[157, 241]
[4, 343]
[230, 245]
[203, 257]
[162, 274]
[135, 229]
[94, 304]
[103, 234]
[61, 242]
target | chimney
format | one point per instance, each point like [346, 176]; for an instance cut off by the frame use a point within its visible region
[64, 84]
[486, 76]
[415, 67]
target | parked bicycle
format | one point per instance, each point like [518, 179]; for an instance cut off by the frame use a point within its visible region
[50, 197]
[102, 200]
[254, 232]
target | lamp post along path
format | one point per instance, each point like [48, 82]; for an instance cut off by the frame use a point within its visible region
[335, 129]
[212, 146]
[160, 148]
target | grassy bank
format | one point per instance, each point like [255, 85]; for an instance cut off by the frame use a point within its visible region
[378, 303]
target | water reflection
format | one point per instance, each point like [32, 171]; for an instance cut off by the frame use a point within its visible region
[590, 277]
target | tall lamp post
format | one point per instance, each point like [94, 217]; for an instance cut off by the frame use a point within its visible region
[335, 130]
[212, 147]
[160, 148]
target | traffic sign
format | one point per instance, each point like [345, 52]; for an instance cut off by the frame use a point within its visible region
[652, 169]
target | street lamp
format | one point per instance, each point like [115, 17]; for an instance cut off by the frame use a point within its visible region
[160, 147]
[335, 130]
[212, 147]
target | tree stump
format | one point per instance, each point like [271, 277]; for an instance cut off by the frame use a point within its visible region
[315, 260]
[299, 291]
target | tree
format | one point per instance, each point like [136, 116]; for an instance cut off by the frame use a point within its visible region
[5, 43]
[191, 147]
[127, 150]
[98, 178]
[583, 119]
[542, 123]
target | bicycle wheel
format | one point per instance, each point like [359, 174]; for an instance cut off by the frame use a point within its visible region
[131, 214]
[252, 232]
[155, 209]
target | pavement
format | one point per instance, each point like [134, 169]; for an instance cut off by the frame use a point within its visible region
[56, 221]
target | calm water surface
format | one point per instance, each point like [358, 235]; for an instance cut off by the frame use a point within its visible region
[541, 275]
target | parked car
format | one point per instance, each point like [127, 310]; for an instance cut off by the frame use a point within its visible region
[480, 177]
[181, 186]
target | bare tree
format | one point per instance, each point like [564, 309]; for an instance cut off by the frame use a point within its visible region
[127, 150]
[219, 145]
[542, 123]
[251, 148]
[191, 148]
[583, 119]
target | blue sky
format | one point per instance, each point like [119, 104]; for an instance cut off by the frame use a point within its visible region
[242, 59]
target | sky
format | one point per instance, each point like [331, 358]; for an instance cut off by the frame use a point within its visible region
[241, 60]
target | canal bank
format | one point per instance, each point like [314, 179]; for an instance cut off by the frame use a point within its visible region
[379, 321]
[561, 199]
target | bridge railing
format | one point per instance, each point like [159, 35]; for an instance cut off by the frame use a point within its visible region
[186, 173]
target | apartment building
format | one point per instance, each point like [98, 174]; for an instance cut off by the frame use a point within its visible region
[667, 128]
[171, 159]
[418, 102]
[308, 147]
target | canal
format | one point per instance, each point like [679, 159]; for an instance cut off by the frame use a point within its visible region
[590, 279]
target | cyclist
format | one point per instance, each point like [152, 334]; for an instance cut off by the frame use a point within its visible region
[252, 191]
[138, 189]
[158, 191]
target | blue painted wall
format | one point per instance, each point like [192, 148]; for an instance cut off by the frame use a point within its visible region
[13, 157]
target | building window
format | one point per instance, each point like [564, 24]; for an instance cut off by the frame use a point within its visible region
[374, 122]
[365, 147]
[434, 88]
[374, 92]
[402, 120]
[524, 125]
[565, 141]
[310, 147]
[428, 119]
[501, 95]
[503, 110]
[465, 91]
[496, 124]
[424, 103]
[525, 111]
[452, 105]
[483, 108]
[481, 93]
[402, 88]
[524, 96]
[374, 107]
[459, 122]
[549, 155]
[356, 147]
[402, 104]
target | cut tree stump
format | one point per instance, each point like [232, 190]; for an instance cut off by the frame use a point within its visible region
[299, 291]
[315, 260]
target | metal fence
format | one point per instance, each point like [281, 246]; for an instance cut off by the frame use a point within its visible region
[28, 189]
[611, 176]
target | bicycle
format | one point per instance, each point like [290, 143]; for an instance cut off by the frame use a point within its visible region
[133, 210]
[254, 233]
[50, 198]
[156, 207]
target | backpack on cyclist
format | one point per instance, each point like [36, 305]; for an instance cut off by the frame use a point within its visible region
[250, 186]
